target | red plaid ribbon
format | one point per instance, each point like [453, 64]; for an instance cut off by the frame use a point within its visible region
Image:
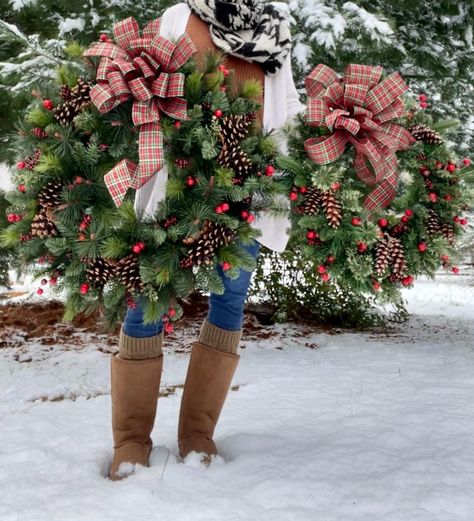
[358, 109]
[143, 68]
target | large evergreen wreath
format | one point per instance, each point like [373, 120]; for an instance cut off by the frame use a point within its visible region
[74, 156]
[378, 196]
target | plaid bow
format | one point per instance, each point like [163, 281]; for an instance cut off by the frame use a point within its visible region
[357, 109]
[142, 68]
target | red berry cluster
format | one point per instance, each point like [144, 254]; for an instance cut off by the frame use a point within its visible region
[247, 216]
[222, 208]
[138, 247]
[84, 224]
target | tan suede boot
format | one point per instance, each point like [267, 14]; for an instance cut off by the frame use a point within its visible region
[207, 384]
[135, 386]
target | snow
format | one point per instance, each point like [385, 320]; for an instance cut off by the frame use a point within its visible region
[5, 181]
[374, 27]
[19, 4]
[319, 426]
[71, 24]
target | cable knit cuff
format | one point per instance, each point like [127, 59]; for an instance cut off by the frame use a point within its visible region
[132, 348]
[219, 338]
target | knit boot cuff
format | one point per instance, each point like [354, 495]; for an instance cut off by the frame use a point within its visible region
[132, 348]
[218, 338]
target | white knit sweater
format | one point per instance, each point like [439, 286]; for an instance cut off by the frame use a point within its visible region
[281, 101]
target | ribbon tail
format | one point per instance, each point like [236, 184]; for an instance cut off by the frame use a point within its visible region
[386, 191]
[120, 179]
[150, 151]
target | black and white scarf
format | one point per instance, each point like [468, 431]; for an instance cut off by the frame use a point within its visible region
[249, 29]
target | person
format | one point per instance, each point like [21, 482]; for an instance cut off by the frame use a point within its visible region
[256, 39]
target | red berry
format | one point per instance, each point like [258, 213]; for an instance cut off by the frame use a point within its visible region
[269, 170]
[466, 161]
[325, 277]
[141, 245]
[376, 285]
[53, 281]
[103, 37]
[356, 221]
[136, 249]
[302, 189]
[424, 105]
[177, 124]
[21, 165]
[244, 214]
[22, 188]
[226, 266]
[83, 227]
[78, 180]
[190, 181]
[362, 247]
[451, 167]
[82, 237]
[432, 197]
[463, 222]
[84, 289]
[171, 312]
[448, 197]
[40, 291]
[408, 212]
[422, 247]
[439, 165]
[408, 281]
[44, 282]
[225, 207]
[48, 104]
[322, 269]
[423, 97]
[218, 209]
[293, 196]
[169, 328]
[330, 259]
[455, 269]
[335, 186]
[404, 219]
[456, 219]
[445, 258]
[383, 223]
[11, 218]
[251, 218]
[311, 235]
[218, 113]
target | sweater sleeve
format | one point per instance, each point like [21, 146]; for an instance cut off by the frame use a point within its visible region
[293, 103]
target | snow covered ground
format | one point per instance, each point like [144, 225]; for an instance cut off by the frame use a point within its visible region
[319, 426]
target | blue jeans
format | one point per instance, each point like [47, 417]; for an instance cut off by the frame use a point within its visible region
[225, 311]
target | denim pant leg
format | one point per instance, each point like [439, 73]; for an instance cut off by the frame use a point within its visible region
[227, 310]
[133, 324]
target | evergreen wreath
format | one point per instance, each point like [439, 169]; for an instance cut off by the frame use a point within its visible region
[378, 196]
[84, 236]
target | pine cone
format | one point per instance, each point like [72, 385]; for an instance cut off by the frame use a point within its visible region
[332, 209]
[128, 271]
[50, 196]
[312, 201]
[33, 160]
[236, 159]
[448, 233]
[99, 272]
[425, 134]
[234, 128]
[65, 93]
[397, 258]
[382, 255]
[213, 236]
[39, 133]
[42, 225]
[170, 221]
[79, 97]
[433, 224]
